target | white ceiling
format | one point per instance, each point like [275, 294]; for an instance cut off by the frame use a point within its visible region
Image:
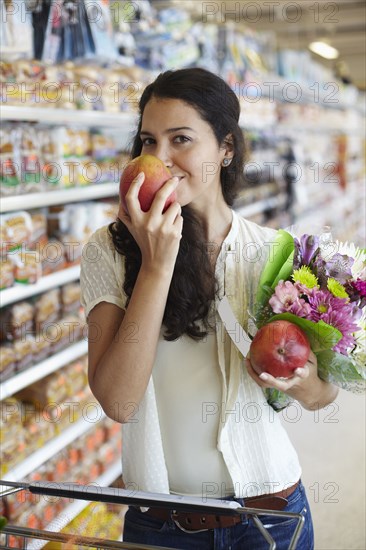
[296, 24]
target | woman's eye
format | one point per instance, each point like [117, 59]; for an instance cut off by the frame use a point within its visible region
[181, 139]
[147, 141]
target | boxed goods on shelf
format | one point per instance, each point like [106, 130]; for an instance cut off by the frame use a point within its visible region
[81, 461]
[7, 273]
[8, 361]
[34, 158]
[32, 330]
[42, 411]
[38, 243]
[12, 448]
[95, 521]
[56, 387]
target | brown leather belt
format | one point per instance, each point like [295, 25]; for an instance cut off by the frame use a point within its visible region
[195, 521]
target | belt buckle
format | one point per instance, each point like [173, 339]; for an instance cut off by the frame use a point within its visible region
[189, 531]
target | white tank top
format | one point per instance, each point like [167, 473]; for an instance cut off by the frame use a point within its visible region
[188, 389]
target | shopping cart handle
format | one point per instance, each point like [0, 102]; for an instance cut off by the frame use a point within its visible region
[124, 496]
[172, 502]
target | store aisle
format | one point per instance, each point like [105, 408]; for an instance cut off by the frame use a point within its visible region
[331, 447]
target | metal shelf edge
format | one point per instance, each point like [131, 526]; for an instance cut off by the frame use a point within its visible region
[42, 369]
[60, 196]
[20, 292]
[39, 457]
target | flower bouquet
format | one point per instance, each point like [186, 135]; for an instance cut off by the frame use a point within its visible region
[320, 286]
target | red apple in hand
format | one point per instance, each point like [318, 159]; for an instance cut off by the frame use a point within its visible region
[279, 348]
[156, 174]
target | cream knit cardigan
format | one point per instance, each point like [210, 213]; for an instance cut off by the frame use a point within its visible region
[255, 446]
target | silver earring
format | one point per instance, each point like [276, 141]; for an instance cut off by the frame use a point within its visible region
[226, 162]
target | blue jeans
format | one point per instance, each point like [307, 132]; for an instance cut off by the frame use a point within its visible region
[144, 529]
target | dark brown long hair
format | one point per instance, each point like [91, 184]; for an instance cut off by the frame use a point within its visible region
[193, 284]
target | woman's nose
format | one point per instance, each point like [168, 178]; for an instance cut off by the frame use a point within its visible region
[162, 152]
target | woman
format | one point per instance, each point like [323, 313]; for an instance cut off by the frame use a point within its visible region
[160, 360]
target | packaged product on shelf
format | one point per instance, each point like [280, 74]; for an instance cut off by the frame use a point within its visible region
[112, 429]
[73, 249]
[39, 230]
[9, 167]
[70, 152]
[49, 390]
[87, 521]
[6, 273]
[8, 361]
[31, 519]
[53, 256]
[79, 405]
[100, 213]
[12, 452]
[18, 503]
[31, 174]
[24, 352]
[73, 457]
[65, 332]
[37, 429]
[93, 467]
[10, 418]
[70, 297]
[27, 267]
[91, 82]
[108, 453]
[75, 376]
[47, 308]
[104, 152]
[16, 320]
[18, 227]
[94, 439]
[12, 448]
[41, 347]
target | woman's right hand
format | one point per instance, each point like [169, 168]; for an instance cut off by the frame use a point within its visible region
[157, 234]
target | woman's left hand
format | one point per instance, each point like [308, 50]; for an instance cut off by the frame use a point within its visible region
[305, 385]
[302, 377]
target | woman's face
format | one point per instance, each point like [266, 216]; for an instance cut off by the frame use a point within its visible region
[174, 132]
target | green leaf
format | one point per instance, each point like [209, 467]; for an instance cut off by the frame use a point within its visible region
[277, 399]
[285, 271]
[321, 336]
[280, 250]
[339, 370]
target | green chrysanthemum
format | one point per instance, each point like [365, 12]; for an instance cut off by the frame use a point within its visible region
[336, 288]
[305, 277]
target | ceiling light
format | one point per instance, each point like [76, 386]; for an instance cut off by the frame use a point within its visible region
[324, 49]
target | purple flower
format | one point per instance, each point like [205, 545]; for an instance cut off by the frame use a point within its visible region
[356, 291]
[303, 289]
[306, 250]
[360, 286]
[336, 312]
[287, 298]
[339, 267]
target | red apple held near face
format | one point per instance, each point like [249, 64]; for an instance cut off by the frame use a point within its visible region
[156, 174]
[279, 348]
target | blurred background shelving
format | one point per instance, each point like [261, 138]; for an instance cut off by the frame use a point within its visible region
[69, 111]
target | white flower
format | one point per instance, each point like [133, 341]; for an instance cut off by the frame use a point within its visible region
[359, 352]
[358, 269]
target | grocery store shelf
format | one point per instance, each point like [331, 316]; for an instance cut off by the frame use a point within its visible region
[61, 196]
[78, 506]
[259, 206]
[20, 291]
[42, 369]
[52, 447]
[65, 116]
